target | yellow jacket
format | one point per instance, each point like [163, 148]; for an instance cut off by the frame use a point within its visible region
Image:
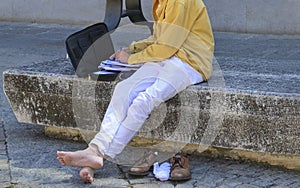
[181, 28]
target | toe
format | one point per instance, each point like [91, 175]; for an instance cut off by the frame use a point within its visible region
[61, 160]
[60, 153]
[87, 174]
[88, 178]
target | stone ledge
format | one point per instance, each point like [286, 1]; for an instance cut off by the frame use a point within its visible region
[243, 116]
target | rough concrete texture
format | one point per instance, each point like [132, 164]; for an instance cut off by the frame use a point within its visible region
[27, 156]
[253, 119]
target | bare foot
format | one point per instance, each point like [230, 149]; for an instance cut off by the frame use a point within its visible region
[81, 158]
[87, 174]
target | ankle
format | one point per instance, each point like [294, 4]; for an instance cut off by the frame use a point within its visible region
[94, 148]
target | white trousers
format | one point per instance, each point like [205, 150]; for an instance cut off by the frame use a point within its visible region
[134, 99]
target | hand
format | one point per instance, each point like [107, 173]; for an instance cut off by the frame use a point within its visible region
[121, 55]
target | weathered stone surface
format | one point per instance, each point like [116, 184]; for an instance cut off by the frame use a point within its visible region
[235, 115]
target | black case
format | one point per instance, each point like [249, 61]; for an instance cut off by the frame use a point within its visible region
[87, 48]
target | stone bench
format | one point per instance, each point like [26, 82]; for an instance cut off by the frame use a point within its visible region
[249, 108]
[242, 112]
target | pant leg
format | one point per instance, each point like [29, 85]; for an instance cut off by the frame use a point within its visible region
[174, 76]
[122, 97]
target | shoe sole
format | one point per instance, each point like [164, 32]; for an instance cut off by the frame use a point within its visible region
[141, 173]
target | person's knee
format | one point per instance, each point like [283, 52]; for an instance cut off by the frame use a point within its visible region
[122, 88]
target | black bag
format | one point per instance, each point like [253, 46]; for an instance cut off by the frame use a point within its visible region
[87, 48]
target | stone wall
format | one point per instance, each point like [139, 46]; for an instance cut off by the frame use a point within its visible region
[202, 115]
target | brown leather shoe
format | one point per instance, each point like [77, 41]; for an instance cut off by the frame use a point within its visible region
[180, 169]
[143, 165]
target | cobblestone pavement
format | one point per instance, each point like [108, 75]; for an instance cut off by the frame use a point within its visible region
[28, 157]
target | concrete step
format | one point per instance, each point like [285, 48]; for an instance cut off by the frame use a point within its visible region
[250, 105]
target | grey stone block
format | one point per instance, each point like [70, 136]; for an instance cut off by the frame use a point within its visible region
[240, 115]
[278, 16]
[258, 16]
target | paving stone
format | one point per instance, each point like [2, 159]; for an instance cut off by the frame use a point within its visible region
[295, 185]
[4, 177]
[2, 136]
[2, 148]
[157, 185]
[262, 183]
[6, 184]
[3, 158]
[4, 172]
[187, 184]
[204, 185]
[49, 185]
[142, 180]
[245, 179]
[111, 182]
[231, 184]
[282, 181]
[247, 186]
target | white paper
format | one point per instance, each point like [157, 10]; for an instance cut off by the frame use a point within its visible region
[111, 65]
[116, 63]
[103, 73]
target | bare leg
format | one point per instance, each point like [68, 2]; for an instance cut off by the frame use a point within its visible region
[87, 174]
[82, 158]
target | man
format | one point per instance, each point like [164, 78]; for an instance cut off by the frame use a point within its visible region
[177, 55]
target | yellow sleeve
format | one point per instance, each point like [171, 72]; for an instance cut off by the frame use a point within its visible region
[138, 46]
[170, 34]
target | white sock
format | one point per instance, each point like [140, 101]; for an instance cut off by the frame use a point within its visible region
[162, 172]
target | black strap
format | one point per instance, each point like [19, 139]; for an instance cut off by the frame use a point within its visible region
[135, 13]
[114, 12]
